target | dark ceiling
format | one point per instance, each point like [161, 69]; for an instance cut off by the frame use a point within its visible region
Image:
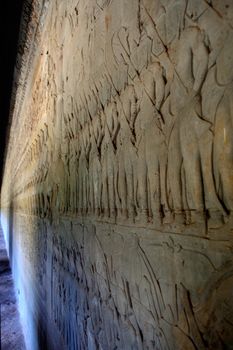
[10, 14]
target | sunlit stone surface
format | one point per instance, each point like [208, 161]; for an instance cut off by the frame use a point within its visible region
[118, 187]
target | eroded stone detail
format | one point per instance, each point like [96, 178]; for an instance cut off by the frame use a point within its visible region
[124, 167]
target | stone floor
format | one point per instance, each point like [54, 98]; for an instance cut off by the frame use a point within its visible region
[11, 337]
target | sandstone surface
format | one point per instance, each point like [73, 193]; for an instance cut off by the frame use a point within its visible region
[117, 195]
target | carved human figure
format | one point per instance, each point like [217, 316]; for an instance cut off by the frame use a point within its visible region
[189, 158]
[95, 173]
[68, 153]
[83, 175]
[223, 149]
[108, 160]
[126, 153]
[155, 139]
[59, 194]
[73, 172]
[222, 119]
[150, 93]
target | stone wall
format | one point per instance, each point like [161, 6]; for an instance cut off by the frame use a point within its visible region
[117, 195]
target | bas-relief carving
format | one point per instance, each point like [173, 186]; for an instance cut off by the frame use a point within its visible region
[127, 165]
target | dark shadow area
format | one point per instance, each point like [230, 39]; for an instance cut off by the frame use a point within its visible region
[10, 16]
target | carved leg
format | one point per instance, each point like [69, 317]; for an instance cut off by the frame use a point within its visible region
[174, 173]
[142, 194]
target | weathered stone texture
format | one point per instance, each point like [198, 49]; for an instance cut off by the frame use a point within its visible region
[117, 196]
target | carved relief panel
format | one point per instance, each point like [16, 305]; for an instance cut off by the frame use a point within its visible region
[125, 147]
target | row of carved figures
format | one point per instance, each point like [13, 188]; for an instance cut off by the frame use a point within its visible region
[149, 154]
